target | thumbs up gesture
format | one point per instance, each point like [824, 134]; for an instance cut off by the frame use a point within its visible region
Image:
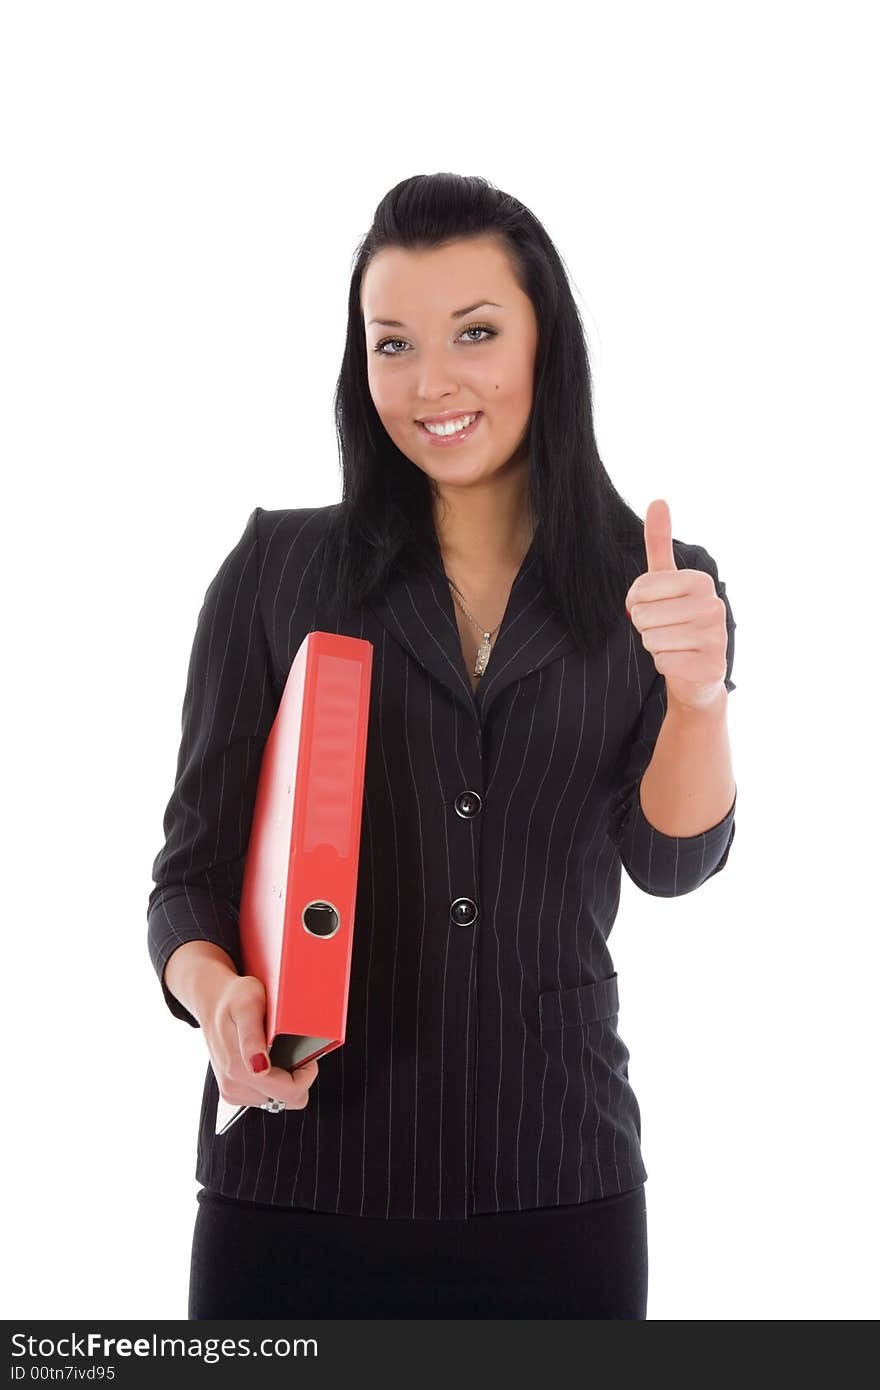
[682, 620]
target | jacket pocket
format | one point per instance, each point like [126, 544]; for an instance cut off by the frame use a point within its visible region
[572, 1008]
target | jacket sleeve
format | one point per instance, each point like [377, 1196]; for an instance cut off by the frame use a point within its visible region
[667, 866]
[228, 709]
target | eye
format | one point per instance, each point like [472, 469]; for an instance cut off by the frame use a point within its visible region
[479, 328]
[472, 328]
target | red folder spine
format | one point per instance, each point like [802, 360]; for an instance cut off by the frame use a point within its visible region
[300, 882]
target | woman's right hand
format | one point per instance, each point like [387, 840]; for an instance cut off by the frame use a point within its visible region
[233, 1021]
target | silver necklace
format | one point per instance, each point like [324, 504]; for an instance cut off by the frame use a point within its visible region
[485, 648]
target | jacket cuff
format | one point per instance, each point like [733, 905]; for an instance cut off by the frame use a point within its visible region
[668, 866]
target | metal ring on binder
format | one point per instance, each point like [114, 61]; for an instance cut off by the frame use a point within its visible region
[320, 918]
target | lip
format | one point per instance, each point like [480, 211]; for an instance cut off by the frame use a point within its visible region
[452, 441]
[445, 415]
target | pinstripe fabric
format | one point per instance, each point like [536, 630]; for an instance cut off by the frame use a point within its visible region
[483, 1069]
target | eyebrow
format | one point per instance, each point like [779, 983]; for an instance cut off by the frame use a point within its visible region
[456, 314]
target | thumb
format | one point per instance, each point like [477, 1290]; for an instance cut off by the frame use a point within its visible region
[658, 536]
[249, 1016]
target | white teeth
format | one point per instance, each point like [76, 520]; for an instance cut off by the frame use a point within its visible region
[451, 426]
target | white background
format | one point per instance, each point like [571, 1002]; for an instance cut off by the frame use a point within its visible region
[184, 186]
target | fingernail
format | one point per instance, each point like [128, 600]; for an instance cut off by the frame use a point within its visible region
[259, 1061]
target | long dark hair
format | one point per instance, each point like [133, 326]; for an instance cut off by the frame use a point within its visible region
[586, 534]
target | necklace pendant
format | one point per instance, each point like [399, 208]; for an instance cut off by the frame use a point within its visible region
[483, 654]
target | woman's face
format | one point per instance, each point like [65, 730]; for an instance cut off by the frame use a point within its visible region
[431, 362]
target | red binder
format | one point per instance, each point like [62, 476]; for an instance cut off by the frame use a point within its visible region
[300, 878]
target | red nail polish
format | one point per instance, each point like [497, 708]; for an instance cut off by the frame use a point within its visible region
[259, 1061]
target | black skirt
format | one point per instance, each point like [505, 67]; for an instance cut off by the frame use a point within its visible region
[587, 1260]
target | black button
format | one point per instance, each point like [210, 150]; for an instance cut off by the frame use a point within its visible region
[463, 912]
[468, 804]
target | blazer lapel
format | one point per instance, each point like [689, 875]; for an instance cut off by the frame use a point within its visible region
[419, 614]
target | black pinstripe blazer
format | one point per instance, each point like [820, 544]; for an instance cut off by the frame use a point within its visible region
[483, 1069]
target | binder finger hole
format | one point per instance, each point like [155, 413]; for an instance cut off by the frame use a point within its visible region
[320, 919]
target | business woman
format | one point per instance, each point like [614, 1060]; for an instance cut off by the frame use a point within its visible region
[474, 1147]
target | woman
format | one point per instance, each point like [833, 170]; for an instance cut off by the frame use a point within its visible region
[473, 1149]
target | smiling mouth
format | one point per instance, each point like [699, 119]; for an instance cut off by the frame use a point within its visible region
[472, 416]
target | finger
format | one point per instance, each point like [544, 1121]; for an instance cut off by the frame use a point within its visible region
[665, 616]
[277, 1083]
[306, 1071]
[290, 1086]
[248, 1014]
[658, 536]
[235, 1091]
[301, 1077]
